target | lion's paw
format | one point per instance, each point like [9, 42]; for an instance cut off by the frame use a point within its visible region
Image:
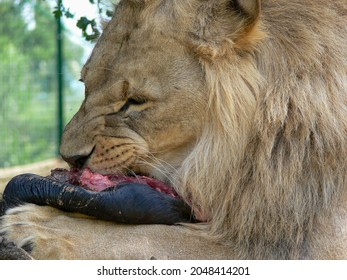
[33, 229]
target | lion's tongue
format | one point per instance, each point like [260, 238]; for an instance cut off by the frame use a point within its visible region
[97, 182]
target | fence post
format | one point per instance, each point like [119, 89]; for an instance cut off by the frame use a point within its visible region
[60, 78]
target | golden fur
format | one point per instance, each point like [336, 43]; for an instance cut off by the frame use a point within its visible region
[241, 105]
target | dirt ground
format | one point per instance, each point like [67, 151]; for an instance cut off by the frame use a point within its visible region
[41, 168]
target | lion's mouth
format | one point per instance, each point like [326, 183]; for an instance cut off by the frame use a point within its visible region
[97, 182]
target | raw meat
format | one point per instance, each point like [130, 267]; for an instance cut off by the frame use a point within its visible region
[93, 181]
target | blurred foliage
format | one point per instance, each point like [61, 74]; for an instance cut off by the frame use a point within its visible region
[89, 28]
[28, 109]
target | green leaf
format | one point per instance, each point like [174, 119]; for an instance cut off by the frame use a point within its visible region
[109, 13]
[57, 13]
[68, 14]
[83, 23]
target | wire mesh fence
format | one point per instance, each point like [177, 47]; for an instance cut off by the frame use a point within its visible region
[28, 82]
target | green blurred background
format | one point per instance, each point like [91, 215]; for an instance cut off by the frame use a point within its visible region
[29, 124]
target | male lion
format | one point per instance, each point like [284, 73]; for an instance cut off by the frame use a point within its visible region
[240, 104]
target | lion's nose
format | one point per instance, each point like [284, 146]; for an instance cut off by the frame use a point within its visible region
[76, 161]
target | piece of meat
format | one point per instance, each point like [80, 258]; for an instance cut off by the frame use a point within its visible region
[93, 181]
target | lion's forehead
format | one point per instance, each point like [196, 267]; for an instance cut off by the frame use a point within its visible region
[152, 61]
[124, 52]
[144, 26]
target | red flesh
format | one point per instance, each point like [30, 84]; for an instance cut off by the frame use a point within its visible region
[97, 182]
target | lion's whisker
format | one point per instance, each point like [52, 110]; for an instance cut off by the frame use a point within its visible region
[165, 175]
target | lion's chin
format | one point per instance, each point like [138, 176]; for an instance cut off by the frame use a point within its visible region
[97, 182]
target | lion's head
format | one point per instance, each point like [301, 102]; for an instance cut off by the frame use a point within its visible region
[243, 115]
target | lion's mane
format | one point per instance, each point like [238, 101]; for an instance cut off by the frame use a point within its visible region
[269, 186]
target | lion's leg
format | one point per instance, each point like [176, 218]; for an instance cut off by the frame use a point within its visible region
[52, 234]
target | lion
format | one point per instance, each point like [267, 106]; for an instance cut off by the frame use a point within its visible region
[241, 105]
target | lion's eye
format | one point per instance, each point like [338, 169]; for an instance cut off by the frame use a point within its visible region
[132, 101]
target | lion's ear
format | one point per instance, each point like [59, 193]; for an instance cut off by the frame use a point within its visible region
[249, 9]
[228, 25]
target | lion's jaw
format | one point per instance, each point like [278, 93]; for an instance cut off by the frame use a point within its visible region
[145, 101]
